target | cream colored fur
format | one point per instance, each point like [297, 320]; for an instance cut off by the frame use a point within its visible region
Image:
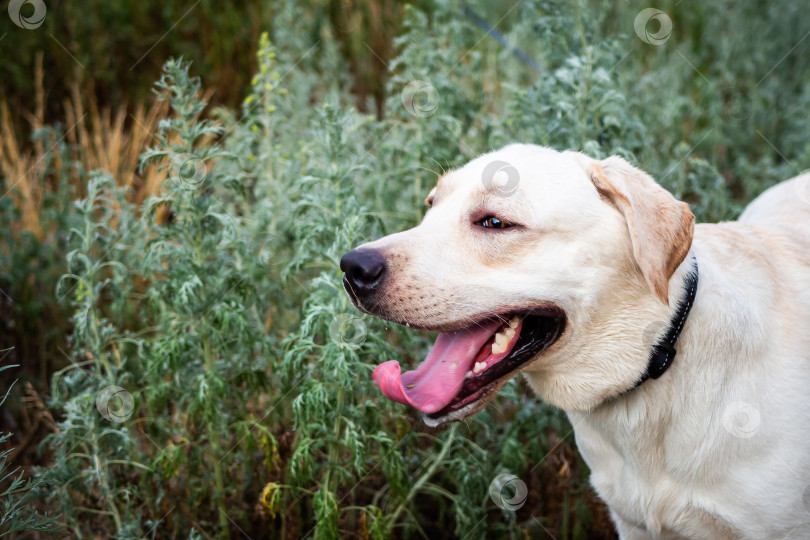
[719, 446]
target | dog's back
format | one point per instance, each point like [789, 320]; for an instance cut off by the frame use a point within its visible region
[784, 205]
[781, 217]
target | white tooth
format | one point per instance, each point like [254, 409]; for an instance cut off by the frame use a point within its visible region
[509, 333]
[500, 344]
[479, 366]
[514, 322]
[469, 374]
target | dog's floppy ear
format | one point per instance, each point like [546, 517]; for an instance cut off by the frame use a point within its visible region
[661, 227]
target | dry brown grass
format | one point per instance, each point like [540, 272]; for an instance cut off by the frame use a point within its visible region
[98, 139]
[108, 141]
[19, 169]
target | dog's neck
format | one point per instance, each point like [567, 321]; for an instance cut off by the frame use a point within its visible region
[675, 436]
[663, 351]
[610, 350]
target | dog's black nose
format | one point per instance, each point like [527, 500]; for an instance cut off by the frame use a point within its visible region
[364, 269]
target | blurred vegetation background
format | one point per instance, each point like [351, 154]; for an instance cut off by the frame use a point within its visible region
[186, 362]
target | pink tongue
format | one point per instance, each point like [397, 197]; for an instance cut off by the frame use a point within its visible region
[437, 380]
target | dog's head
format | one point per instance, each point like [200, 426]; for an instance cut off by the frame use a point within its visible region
[528, 259]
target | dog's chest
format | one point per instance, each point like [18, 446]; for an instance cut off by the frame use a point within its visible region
[627, 486]
[632, 478]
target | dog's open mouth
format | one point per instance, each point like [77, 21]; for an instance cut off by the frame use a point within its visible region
[467, 367]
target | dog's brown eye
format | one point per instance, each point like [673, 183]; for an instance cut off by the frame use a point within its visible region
[491, 222]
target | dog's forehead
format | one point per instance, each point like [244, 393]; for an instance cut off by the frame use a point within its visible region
[516, 170]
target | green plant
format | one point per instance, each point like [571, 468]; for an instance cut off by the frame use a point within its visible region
[16, 493]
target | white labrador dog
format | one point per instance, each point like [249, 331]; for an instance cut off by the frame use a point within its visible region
[580, 274]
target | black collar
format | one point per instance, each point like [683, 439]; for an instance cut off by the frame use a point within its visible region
[664, 351]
